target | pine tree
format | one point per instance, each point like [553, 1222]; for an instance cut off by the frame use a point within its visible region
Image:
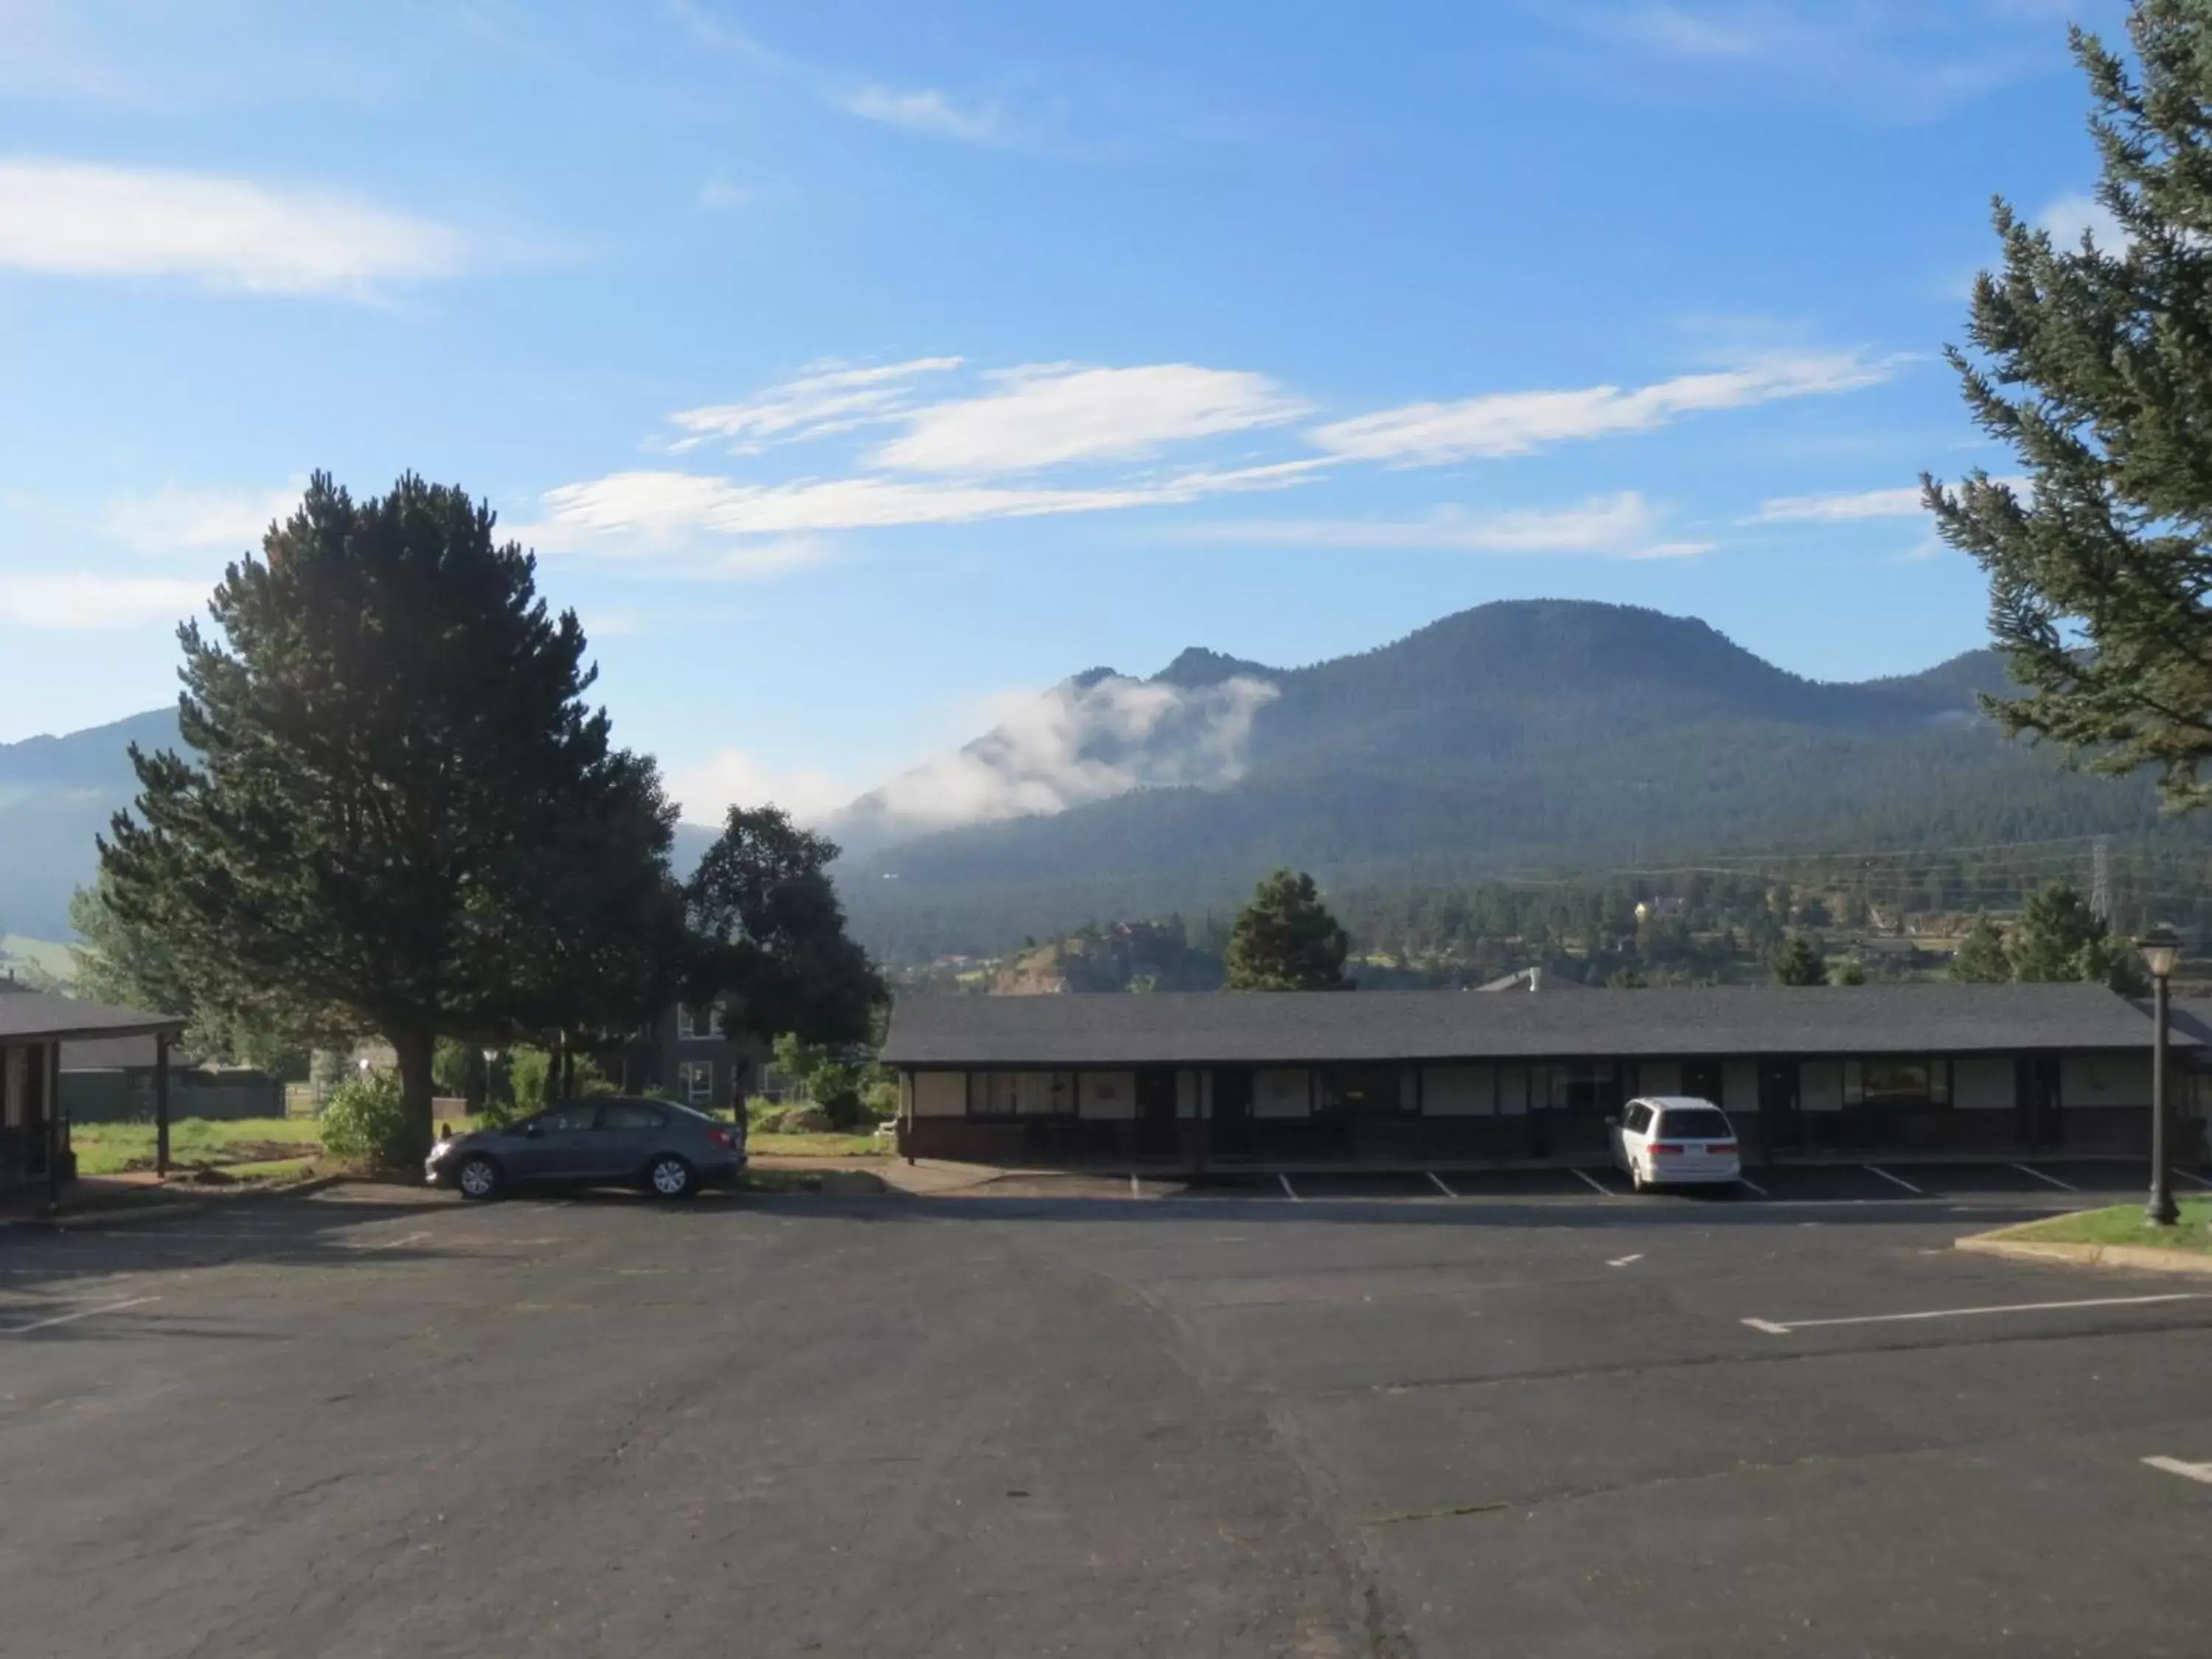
[2095, 368]
[1285, 939]
[395, 813]
[1982, 958]
[1799, 963]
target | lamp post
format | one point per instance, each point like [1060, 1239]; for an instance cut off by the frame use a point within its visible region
[2161, 950]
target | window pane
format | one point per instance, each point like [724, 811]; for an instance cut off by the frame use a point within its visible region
[1693, 1123]
[1895, 1082]
[1362, 1091]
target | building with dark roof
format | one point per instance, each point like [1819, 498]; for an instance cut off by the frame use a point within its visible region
[1452, 1077]
[34, 1028]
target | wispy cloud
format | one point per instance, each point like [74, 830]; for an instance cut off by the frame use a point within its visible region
[2069, 217]
[923, 109]
[1523, 423]
[174, 520]
[831, 398]
[1047, 415]
[1624, 525]
[1901, 503]
[72, 219]
[87, 602]
[641, 513]
[721, 196]
[730, 777]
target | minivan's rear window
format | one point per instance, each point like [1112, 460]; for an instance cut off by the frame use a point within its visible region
[1694, 1123]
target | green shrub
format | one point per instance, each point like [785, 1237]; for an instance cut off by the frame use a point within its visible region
[363, 1121]
[836, 1090]
[879, 1098]
[761, 1112]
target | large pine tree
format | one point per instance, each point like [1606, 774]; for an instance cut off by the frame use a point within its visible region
[395, 813]
[1285, 939]
[2095, 366]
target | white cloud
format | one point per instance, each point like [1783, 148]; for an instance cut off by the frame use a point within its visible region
[730, 777]
[81, 601]
[2070, 216]
[1903, 503]
[832, 399]
[922, 110]
[1624, 524]
[720, 195]
[653, 509]
[1047, 415]
[172, 520]
[73, 219]
[1073, 743]
[1523, 423]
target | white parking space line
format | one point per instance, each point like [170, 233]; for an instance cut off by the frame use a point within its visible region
[2202, 1472]
[2063, 1185]
[82, 1313]
[1745, 1181]
[2198, 1179]
[1784, 1328]
[391, 1244]
[1288, 1191]
[1594, 1184]
[1894, 1180]
[1440, 1186]
[1623, 1261]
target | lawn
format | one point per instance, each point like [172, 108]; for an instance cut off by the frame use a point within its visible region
[765, 1144]
[111, 1148]
[2122, 1224]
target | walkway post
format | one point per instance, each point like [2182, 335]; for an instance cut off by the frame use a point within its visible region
[2161, 950]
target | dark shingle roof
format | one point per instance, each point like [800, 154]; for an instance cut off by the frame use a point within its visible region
[1262, 1027]
[34, 1017]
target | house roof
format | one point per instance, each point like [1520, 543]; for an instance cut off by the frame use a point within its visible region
[1305, 1027]
[35, 1017]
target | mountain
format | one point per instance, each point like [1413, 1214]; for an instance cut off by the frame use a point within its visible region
[56, 794]
[1526, 733]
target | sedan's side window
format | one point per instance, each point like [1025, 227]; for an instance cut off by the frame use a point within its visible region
[564, 1120]
[627, 1114]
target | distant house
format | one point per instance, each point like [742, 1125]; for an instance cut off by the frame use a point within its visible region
[112, 1081]
[1532, 978]
[692, 1053]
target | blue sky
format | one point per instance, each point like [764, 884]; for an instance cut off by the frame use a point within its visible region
[856, 367]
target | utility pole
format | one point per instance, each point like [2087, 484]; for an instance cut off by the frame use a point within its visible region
[2100, 879]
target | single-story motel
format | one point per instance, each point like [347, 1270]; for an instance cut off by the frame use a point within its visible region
[36, 1030]
[1454, 1078]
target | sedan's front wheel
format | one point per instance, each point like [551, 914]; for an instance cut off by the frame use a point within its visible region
[478, 1178]
[670, 1176]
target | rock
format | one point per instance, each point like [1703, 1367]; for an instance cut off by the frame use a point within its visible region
[805, 1120]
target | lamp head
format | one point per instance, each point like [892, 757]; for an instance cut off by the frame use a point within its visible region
[2161, 952]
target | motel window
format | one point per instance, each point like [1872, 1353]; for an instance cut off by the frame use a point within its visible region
[696, 1079]
[1021, 1094]
[1585, 1085]
[1363, 1091]
[1897, 1082]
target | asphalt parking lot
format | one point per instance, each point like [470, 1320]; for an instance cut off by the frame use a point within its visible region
[1344, 1417]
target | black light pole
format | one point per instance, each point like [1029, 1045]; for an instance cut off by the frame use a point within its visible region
[2161, 950]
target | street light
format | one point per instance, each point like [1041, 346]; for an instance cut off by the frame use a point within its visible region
[2161, 950]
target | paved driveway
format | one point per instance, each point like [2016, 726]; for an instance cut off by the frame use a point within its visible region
[1240, 1423]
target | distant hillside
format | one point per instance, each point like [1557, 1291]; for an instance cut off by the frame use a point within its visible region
[56, 794]
[1545, 733]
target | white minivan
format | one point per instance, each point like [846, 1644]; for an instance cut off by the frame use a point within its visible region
[1661, 1140]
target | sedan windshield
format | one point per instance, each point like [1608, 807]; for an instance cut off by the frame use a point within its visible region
[1696, 1123]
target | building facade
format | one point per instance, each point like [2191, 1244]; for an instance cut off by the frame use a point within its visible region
[696, 1054]
[1453, 1079]
[35, 1029]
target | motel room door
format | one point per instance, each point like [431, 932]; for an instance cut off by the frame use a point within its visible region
[1231, 1133]
[1780, 1119]
[2041, 1123]
[1156, 1114]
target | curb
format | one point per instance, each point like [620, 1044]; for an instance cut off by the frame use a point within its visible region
[110, 1215]
[2148, 1256]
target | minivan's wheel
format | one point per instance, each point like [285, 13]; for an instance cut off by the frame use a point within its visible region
[478, 1178]
[669, 1176]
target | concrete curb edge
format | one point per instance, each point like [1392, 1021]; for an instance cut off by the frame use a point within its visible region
[2147, 1257]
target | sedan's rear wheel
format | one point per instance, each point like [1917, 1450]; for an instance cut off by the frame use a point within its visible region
[478, 1178]
[670, 1176]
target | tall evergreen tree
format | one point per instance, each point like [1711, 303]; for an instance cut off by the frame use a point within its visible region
[395, 813]
[1799, 963]
[2095, 367]
[773, 933]
[1982, 958]
[1286, 940]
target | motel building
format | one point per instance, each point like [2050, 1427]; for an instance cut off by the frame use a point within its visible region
[1456, 1078]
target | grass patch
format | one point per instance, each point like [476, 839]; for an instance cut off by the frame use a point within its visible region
[2124, 1223]
[113, 1148]
[769, 1144]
